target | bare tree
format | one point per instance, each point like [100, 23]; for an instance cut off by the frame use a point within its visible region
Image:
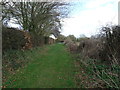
[37, 17]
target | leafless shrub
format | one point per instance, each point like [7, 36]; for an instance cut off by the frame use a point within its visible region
[102, 55]
[72, 46]
[106, 46]
[111, 49]
[90, 48]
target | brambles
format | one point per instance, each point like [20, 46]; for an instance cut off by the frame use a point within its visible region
[89, 48]
[99, 59]
[105, 47]
[111, 49]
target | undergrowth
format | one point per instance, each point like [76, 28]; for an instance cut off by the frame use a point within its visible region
[93, 73]
[13, 60]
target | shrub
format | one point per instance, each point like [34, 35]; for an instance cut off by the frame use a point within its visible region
[90, 48]
[97, 52]
[105, 46]
[72, 46]
[15, 39]
[12, 39]
[37, 40]
[111, 41]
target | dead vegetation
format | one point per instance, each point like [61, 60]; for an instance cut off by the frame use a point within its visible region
[98, 59]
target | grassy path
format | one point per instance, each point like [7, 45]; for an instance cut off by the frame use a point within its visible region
[51, 68]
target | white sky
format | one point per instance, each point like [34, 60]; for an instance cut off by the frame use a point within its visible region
[87, 16]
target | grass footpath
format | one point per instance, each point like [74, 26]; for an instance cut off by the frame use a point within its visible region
[52, 67]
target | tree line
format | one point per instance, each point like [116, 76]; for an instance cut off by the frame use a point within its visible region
[40, 19]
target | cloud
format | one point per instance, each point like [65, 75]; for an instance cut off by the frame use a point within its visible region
[88, 20]
[98, 3]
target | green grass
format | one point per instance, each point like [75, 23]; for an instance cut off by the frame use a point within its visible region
[50, 67]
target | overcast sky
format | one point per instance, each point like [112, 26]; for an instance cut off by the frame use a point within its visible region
[87, 16]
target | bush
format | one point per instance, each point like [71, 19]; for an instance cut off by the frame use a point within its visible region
[105, 46]
[90, 48]
[110, 38]
[12, 39]
[100, 55]
[37, 40]
[72, 46]
[15, 39]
